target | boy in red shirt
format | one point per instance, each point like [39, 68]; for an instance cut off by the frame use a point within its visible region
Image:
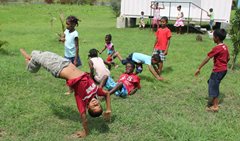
[162, 42]
[128, 83]
[86, 91]
[220, 57]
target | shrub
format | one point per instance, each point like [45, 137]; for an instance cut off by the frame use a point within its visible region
[235, 36]
[116, 5]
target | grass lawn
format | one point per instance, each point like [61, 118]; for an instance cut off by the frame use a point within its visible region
[34, 107]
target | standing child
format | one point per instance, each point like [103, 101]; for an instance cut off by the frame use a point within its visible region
[161, 46]
[220, 55]
[111, 52]
[179, 22]
[141, 21]
[156, 13]
[211, 15]
[86, 91]
[71, 45]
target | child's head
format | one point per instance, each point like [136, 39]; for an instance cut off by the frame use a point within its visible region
[94, 108]
[155, 59]
[130, 66]
[108, 38]
[71, 22]
[210, 10]
[142, 13]
[179, 7]
[219, 35]
[163, 21]
[93, 53]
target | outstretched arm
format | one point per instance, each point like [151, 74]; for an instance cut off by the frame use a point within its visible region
[151, 69]
[107, 113]
[85, 131]
[117, 87]
[133, 91]
[163, 6]
[201, 65]
[102, 50]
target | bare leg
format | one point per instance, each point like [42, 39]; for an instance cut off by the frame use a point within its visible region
[103, 81]
[25, 55]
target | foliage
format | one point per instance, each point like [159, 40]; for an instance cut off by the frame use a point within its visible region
[116, 7]
[235, 36]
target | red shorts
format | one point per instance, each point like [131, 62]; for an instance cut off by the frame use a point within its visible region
[109, 59]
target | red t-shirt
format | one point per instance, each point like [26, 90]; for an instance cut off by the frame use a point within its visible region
[130, 81]
[162, 35]
[220, 56]
[85, 89]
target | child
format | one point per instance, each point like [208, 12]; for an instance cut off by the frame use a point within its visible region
[97, 67]
[141, 21]
[156, 14]
[139, 59]
[112, 54]
[211, 15]
[70, 40]
[179, 22]
[86, 91]
[163, 36]
[220, 55]
[128, 83]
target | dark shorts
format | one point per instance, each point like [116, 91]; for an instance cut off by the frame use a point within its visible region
[79, 63]
[214, 82]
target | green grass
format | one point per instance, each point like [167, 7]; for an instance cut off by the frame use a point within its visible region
[34, 107]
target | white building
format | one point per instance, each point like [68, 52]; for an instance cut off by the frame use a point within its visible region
[194, 10]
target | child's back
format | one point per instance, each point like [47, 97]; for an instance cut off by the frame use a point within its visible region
[100, 68]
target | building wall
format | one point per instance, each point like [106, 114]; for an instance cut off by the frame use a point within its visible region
[222, 9]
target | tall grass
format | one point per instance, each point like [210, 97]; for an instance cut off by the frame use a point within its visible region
[34, 107]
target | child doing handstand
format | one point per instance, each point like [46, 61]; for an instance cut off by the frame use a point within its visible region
[86, 91]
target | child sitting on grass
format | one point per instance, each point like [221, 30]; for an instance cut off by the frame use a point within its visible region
[220, 55]
[127, 84]
[111, 52]
[86, 91]
[98, 70]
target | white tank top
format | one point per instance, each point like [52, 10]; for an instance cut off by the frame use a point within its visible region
[100, 68]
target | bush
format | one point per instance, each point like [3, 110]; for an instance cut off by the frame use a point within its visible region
[116, 6]
[235, 36]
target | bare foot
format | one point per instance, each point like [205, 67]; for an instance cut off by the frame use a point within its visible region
[25, 55]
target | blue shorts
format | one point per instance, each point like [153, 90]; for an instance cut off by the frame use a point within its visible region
[123, 92]
[110, 83]
[160, 53]
[79, 63]
[214, 82]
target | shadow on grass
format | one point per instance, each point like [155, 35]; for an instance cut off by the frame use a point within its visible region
[66, 112]
[4, 52]
[147, 78]
[167, 70]
[221, 98]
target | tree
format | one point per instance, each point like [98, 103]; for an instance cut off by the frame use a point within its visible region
[235, 36]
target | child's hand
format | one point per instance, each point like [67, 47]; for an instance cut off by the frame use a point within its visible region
[80, 134]
[107, 116]
[197, 72]
[165, 52]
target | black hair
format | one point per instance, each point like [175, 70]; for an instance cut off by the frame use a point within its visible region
[220, 33]
[142, 12]
[109, 36]
[179, 6]
[156, 57]
[211, 10]
[95, 114]
[165, 18]
[131, 63]
[93, 53]
[73, 19]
